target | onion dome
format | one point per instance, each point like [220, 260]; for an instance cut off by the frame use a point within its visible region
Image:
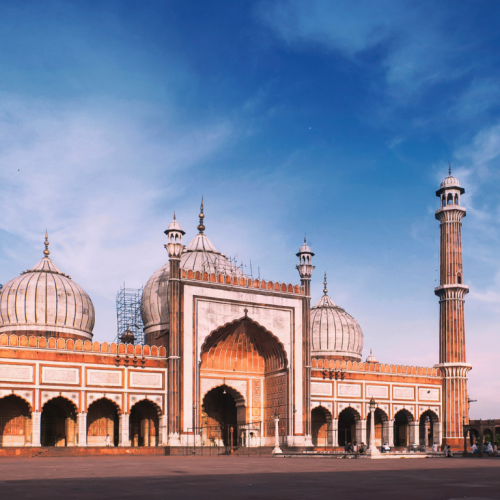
[200, 255]
[371, 358]
[334, 332]
[44, 301]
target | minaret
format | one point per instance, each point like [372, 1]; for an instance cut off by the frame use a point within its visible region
[451, 292]
[305, 269]
[174, 248]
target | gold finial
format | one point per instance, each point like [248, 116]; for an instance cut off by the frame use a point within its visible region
[46, 251]
[201, 226]
[174, 214]
[325, 290]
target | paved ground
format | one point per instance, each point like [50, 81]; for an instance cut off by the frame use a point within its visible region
[157, 477]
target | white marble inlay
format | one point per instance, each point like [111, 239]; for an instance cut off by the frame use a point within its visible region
[16, 373]
[321, 388]
[350, 390]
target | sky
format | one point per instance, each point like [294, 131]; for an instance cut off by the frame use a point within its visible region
[332, 119]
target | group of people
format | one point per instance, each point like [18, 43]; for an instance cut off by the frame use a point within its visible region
[489, 449]
[362, 449]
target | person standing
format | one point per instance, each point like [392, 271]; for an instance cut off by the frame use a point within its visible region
[108, 441]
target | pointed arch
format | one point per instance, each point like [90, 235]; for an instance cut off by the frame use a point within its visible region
[15, 421]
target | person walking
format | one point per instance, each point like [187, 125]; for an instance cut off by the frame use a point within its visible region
[108, 441]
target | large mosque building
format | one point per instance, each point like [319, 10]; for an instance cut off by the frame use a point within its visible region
[225, 358]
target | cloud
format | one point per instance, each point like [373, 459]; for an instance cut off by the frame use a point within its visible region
[408, 40]
[99, 176]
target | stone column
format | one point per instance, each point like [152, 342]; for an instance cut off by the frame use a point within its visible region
[81, 428]
[360, 431]
[36, 420]
[390, 432]
[334, 428]
[124, 438]
[163, 430]
[414, 432]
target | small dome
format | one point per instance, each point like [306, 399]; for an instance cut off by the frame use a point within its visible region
[371, 358]
[44, 301]
[174, 226]
[334, 332]
[450, 182]
[305, 248]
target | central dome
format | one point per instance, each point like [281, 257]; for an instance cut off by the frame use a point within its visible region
[199, 255]
[334, 332]
[44, 301]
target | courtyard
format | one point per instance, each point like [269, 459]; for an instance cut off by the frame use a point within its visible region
[162, 477]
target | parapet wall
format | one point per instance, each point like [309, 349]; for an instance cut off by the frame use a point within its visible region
[61, 344]
[333, 364]
[243, 282]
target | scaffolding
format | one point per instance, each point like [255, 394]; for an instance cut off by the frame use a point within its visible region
[130, 328]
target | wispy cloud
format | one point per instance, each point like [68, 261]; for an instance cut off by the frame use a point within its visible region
[95, 176]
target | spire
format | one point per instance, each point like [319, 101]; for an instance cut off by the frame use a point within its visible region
[449, 168]
[175, 218]
[201, 226]
[46, 252]
[325, 289]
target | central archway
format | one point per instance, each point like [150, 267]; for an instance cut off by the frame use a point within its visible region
[58, 423]
[248, 352]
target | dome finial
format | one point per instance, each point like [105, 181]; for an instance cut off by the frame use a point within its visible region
[175, 218]
[449, 168]
[201, 226]
[325, 289]
[46, 251]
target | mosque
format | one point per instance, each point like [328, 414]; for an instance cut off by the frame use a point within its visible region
[227, 359]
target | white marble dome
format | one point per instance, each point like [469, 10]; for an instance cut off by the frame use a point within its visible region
[334, 332]
[45, 301]
[450, 182]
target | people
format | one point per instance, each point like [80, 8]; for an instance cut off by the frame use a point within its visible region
[355, 447]
[488, 449]
[362, 449]
[108, 441]
[495, 450]
[474, 448]
[447, 451]
[435, 447]
[386, 448]
[348, 448]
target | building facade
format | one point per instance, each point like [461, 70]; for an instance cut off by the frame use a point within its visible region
[226, 356]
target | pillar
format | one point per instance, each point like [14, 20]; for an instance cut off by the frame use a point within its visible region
[361, 431]
[81, 428]
[36, 422]
[334, 426]
[174, 247]
[390, 432]
[124, 429]
[414, 434]
[163, 434]
[305, 269]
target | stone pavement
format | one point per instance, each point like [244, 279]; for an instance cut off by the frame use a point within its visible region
[159, 477]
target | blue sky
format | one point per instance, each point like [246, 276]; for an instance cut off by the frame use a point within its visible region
[335, 119]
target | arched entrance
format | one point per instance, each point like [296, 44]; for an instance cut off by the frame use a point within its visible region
[255, 356]
[380, 419]
[428, 429]
[220, 410]
[321, 425]
[402, 421]
[144, 424]
[348, 421]
[102, 422]
[58, 423]
[15, 421]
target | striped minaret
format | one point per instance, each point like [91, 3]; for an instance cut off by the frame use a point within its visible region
[451, 292]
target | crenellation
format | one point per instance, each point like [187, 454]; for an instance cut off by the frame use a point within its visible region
[61, 344]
